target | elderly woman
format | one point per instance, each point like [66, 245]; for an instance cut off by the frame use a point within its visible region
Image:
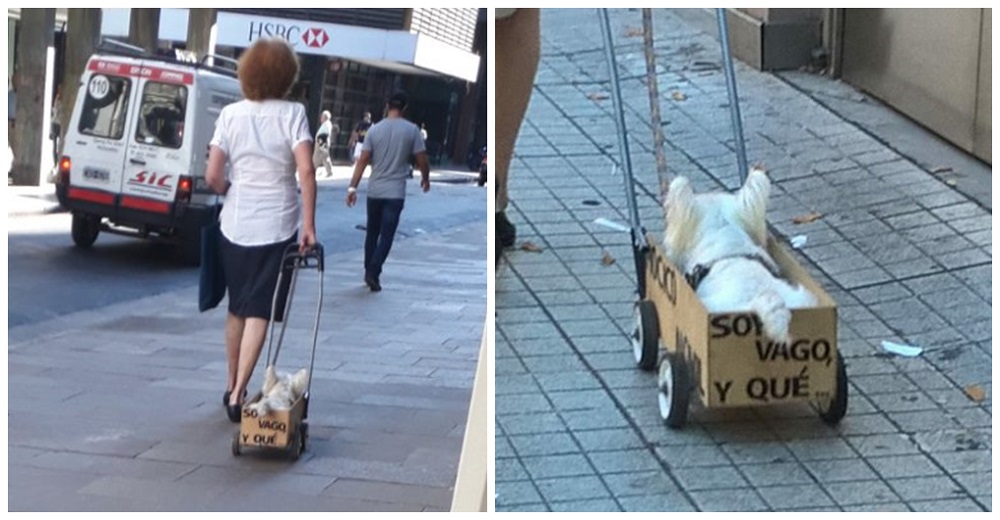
[264, 140]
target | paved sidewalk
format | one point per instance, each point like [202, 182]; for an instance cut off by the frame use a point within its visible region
[119, 408]
[907, 258]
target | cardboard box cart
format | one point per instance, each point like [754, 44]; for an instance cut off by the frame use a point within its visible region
[723, 359]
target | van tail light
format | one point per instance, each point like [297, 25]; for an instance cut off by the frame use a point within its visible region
[184, 189]
[64, 166]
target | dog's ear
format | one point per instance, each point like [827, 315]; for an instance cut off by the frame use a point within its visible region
[269, 379]
[681, 219]
[753, 205]
[299, 382]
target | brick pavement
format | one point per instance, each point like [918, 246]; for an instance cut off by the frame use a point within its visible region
[906, 257]
[118, 408]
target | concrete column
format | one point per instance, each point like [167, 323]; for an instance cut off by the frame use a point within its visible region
[469, 113]
[314, 68]
[200, 22]
[144, 28]
[34, 42]
[83, 33]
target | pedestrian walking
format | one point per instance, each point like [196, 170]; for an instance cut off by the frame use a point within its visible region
[389, 147]
[265, 140]
[358, 136]
[321, 152]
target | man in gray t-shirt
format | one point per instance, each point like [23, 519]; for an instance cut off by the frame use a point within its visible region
[389, 147]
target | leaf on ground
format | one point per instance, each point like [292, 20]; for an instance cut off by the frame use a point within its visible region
[597, 96]
[632, 32]
[531, 247]
[678, 96]
[976, 393]
[807, 218]
[951, 182]
[941, 169]
[607, 259]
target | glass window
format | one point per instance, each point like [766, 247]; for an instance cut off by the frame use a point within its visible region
[161, 114]
[105, 106]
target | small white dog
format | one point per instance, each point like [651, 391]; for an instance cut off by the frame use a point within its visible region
[280, 391]
[719, 240]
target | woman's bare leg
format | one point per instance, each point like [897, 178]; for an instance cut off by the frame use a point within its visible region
[517, 49]
[254, 332]
[234, 336]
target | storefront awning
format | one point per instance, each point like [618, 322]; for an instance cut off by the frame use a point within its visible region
[399, 51]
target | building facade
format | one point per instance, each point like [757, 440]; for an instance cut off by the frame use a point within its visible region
[352, 61]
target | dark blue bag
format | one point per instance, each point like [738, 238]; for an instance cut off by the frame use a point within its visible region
[212, 283]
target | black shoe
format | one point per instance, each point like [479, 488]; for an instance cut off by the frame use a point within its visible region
[234, 411]
[373, 284]
[506, 232]
[227, 393]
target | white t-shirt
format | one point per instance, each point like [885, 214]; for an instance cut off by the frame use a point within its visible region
[258, 138]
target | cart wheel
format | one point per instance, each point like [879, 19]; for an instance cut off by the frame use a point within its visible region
[298, 445]
[838, 405]
[236, 444]
[646, 335]
[305, 438]
[674, 391]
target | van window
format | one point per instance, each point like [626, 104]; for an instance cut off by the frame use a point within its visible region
[162, 115]
[105, 106]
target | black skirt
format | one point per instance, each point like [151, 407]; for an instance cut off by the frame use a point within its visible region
[251, 277]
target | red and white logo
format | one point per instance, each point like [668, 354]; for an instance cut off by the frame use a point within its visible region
[315, 38]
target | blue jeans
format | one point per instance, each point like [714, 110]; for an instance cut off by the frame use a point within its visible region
[383, 218]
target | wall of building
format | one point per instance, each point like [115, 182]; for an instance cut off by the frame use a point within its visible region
[456, 26]
[931, 64]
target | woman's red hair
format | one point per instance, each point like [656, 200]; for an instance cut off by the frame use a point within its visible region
[268, 69]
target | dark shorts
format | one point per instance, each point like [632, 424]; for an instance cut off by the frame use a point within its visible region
[251, 277]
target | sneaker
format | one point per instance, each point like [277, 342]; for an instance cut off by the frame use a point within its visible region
[506, 232]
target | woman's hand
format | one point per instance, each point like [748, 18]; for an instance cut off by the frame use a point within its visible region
[307, 240]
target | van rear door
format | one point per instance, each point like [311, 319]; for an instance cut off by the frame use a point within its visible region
[96, 139]
[159, 145]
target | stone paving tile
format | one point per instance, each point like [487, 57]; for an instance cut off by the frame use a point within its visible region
[744, 499]
[656, 503]
[571, 488]
[925, 488]
[553, 466]
[859, 492]
[599, 505]
[899, 250]
[795, 496]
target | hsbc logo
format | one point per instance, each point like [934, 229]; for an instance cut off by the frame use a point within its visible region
[315, 38]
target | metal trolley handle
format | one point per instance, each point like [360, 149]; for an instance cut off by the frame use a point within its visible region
[291, 263]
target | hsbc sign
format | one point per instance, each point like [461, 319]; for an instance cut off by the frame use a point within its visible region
[298, 35]
[395, 48]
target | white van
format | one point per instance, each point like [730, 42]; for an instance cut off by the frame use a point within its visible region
[135, 152]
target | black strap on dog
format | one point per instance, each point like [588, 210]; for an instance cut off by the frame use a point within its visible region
[700, 271]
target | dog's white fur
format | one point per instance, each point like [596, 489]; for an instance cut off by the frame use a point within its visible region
[280, 391]
[703, 228]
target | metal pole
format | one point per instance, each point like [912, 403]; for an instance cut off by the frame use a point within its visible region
[639, 245]
[734, 101]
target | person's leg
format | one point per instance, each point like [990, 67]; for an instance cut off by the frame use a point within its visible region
[517, 49]
[234, 336]
[328, 165]
[391, 210]
[374, 224]
[254, 332]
